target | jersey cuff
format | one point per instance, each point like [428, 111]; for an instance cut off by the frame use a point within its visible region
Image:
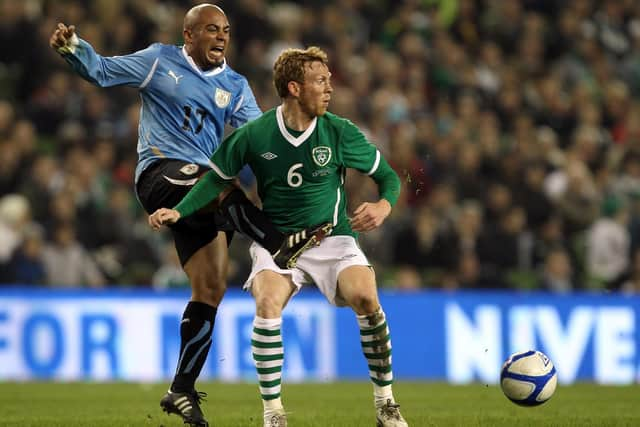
[70, 46]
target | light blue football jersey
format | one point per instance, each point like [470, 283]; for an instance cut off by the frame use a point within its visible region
[184, 110]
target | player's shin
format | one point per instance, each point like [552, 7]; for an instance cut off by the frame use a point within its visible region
[196, 328]
[376, 346]
[268, 355]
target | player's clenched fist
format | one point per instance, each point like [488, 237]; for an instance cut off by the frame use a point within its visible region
[163, 216]
[62, 36]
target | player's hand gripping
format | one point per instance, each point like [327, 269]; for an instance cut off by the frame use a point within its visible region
[62, 36]
[369, 216]
[163, 216]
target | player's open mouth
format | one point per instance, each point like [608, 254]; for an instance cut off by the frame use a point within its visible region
[217, 50]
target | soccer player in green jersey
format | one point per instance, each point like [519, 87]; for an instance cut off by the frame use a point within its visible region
[299, 153]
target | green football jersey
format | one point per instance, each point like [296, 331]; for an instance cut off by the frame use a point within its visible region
[300, 175]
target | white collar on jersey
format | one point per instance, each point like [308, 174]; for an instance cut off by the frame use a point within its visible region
[296, 142]
[213, 72]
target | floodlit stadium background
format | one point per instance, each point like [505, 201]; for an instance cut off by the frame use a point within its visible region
[514, 125]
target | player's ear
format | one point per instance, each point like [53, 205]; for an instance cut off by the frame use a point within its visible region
[186, 34]
[294, 88]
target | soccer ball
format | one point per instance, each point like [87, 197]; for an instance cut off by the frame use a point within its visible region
[528, 378]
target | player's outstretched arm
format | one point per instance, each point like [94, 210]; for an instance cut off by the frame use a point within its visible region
[105, 71]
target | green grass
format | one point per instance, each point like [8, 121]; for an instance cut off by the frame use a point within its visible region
[326, 405]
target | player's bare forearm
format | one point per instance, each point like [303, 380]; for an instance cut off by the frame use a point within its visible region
[369, 216]
[163, 216]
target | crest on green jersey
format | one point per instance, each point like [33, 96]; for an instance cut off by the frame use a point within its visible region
[222, 97]
[321, 155]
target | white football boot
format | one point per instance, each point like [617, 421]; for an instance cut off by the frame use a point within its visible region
[275, 418]
[388, 415]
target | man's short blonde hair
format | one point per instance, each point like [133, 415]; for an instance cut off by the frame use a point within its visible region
[290, 66]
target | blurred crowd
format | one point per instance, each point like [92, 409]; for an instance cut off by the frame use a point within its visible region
[514, 126]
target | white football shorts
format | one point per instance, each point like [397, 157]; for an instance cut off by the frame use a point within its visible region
[320, 265]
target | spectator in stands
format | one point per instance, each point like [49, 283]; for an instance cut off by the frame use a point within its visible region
[462, 238]
[7, 115]
[44, 179]
[557, 274]
[575, 196]
[470, 182]
[407, 278]
[15, 217]
[470, 275]
[532, 198]
[509, 86]
[608, 244]
[67, 263]
[498, 201]
[27, 264]
[170, 275]
[500, 247]
[417, 244]
[10, 160]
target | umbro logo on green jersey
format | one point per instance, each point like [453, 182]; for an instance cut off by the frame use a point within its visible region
[268, 155]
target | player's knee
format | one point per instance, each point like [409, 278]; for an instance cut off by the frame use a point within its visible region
[267, 306]
[211, 296]
[208, 286]
[364, 302]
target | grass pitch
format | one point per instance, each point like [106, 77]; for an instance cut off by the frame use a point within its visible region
[327, 405]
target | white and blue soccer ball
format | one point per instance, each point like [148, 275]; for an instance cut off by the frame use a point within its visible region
[528, 378]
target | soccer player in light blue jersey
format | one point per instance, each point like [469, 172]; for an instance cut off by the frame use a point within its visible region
[188, 93]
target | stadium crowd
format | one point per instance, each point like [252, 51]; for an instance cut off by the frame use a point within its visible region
[515, 126]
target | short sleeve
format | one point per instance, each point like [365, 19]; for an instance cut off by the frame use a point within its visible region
[230, 156]
[357, 152]
[246, 108]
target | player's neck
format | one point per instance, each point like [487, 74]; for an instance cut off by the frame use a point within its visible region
[294, 117]
[203, 65]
